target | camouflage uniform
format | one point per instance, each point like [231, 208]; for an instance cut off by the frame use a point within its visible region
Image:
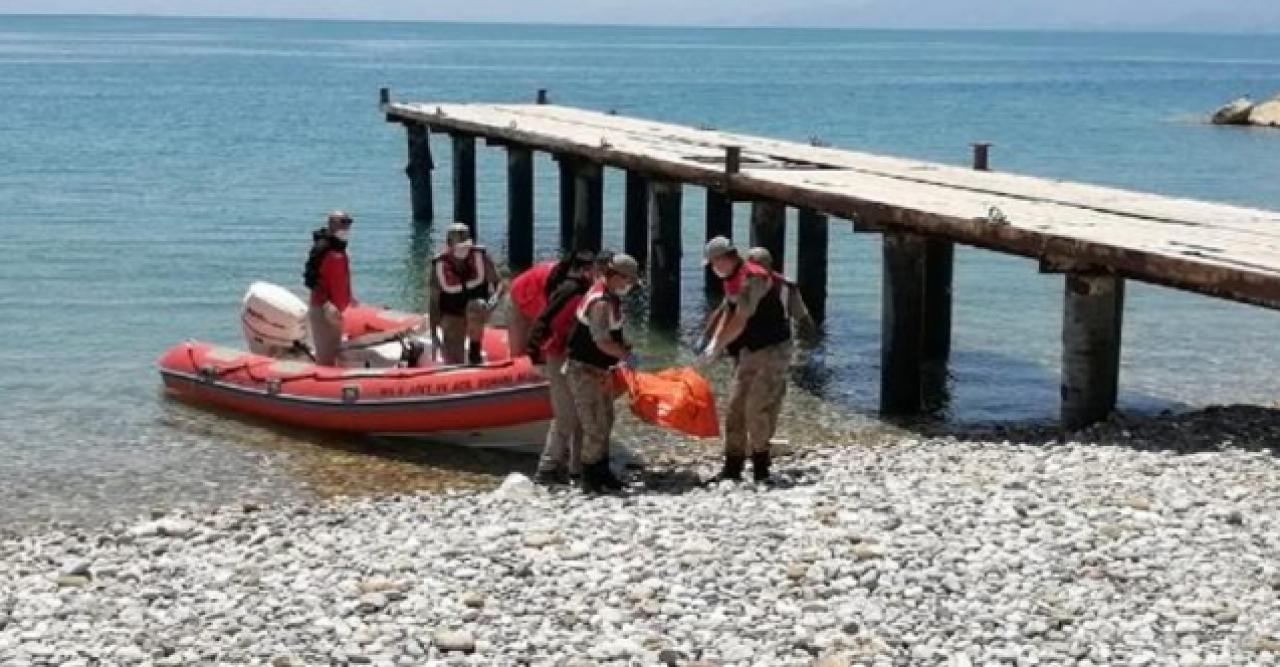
[592, 390]
[759, 385]
[564, 438]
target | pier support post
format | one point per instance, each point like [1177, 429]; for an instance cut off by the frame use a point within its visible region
[811, 261]
[566, 167]
[902, 324]
[665, 200]
[936, 350]
[588, 205]
[1093, 308]
[419, 172]
[464, 181]
[769, 229]
[635, 235]
[719, 223]
[519, 207]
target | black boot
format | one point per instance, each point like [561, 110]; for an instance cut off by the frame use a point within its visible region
[475, 356]
[732, 470]
[598, 478]
[760, 467]
[551, 478]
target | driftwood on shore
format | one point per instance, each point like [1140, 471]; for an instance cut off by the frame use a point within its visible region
[1244, 111]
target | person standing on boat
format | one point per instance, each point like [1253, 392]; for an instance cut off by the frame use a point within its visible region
[596, 345]
[757, 332]
[531, 290]
[463, 280]
[547, 347]
[328, 276]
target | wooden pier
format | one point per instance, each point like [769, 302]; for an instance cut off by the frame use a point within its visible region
[1096, 237]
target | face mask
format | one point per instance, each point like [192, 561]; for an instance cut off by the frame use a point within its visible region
[461, 249]
[721, 272]
[624, 290]
[342, 234]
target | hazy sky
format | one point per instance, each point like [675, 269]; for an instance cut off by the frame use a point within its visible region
[1214, 15]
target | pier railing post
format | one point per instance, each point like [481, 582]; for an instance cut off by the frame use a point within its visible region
[588, 206]
[769, 229]
[419, 172]
[902, 324]
[665, 200]
[812, 236]
[519, 207]
[464, 181]
[1093, 309]
[635, 235]
[719, 223]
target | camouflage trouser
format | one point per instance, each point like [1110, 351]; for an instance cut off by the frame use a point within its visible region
[564, 438]
[759, 384]
[456, 330]
[592, 390]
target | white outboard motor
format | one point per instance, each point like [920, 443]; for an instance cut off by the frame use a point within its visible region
[274, 321]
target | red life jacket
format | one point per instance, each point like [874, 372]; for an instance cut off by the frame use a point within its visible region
[557, 342]
[529, 289]
[460, 281]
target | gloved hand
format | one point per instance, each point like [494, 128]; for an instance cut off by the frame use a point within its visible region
[709, 353]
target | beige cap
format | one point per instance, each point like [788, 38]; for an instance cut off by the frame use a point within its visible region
[625, 265]
[457, 228]
[761, 256]
[716, 248]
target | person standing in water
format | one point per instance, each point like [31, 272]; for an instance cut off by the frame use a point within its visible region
[328, 276]
[461, 284]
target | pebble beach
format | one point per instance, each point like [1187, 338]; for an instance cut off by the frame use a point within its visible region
[911, 550]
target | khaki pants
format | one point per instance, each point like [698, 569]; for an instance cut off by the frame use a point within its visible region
[592, 390]
[563, 450]
[456, 330]
[755, 399]
[326, 335]
[518, 326]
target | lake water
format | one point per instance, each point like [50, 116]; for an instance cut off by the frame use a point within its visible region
[150, 169]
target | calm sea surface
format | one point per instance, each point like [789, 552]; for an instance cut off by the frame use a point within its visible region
[151, 169]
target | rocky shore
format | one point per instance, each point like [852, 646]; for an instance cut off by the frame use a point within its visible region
[906, 551]
[1244, 111]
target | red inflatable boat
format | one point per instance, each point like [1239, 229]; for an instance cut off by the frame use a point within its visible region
[503, 403]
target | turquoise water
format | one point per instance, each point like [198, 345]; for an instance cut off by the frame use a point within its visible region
[152, 168]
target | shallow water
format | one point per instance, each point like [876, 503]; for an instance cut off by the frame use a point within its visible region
[153, 168]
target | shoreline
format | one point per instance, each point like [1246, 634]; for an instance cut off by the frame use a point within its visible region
[915, 550]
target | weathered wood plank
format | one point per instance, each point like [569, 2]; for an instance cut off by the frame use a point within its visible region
[1227, 251]
[1093, 310]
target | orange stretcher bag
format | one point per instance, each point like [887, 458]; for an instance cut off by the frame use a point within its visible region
[678, 398]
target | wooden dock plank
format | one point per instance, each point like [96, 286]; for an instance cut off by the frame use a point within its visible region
[1226, 251]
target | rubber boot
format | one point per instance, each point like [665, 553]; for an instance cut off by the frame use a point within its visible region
[551, 478]
[732, 470]
[760, 466]
[598, 478]
[475, 355]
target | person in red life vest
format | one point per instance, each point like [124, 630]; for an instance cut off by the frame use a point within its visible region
[597, 344]
[756, 331]
[530, 291]
[792, 301]
[548, 347]
[328, 276]
[463, 280]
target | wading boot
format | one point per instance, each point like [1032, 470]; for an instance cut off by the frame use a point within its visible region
[551, 478]
[475, 356]
[732, 470]
[760, 467]
[598, 478]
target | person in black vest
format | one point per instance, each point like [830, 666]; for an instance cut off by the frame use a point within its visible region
[462, 281]
[596, 345]
[756, 330]
[328, 276]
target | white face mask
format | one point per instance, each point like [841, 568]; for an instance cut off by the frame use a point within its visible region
[624, 290]
[721, 272]
[342, 234]
[461, 249]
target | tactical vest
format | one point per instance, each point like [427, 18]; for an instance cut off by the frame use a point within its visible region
[770, 324]
[582, 347]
